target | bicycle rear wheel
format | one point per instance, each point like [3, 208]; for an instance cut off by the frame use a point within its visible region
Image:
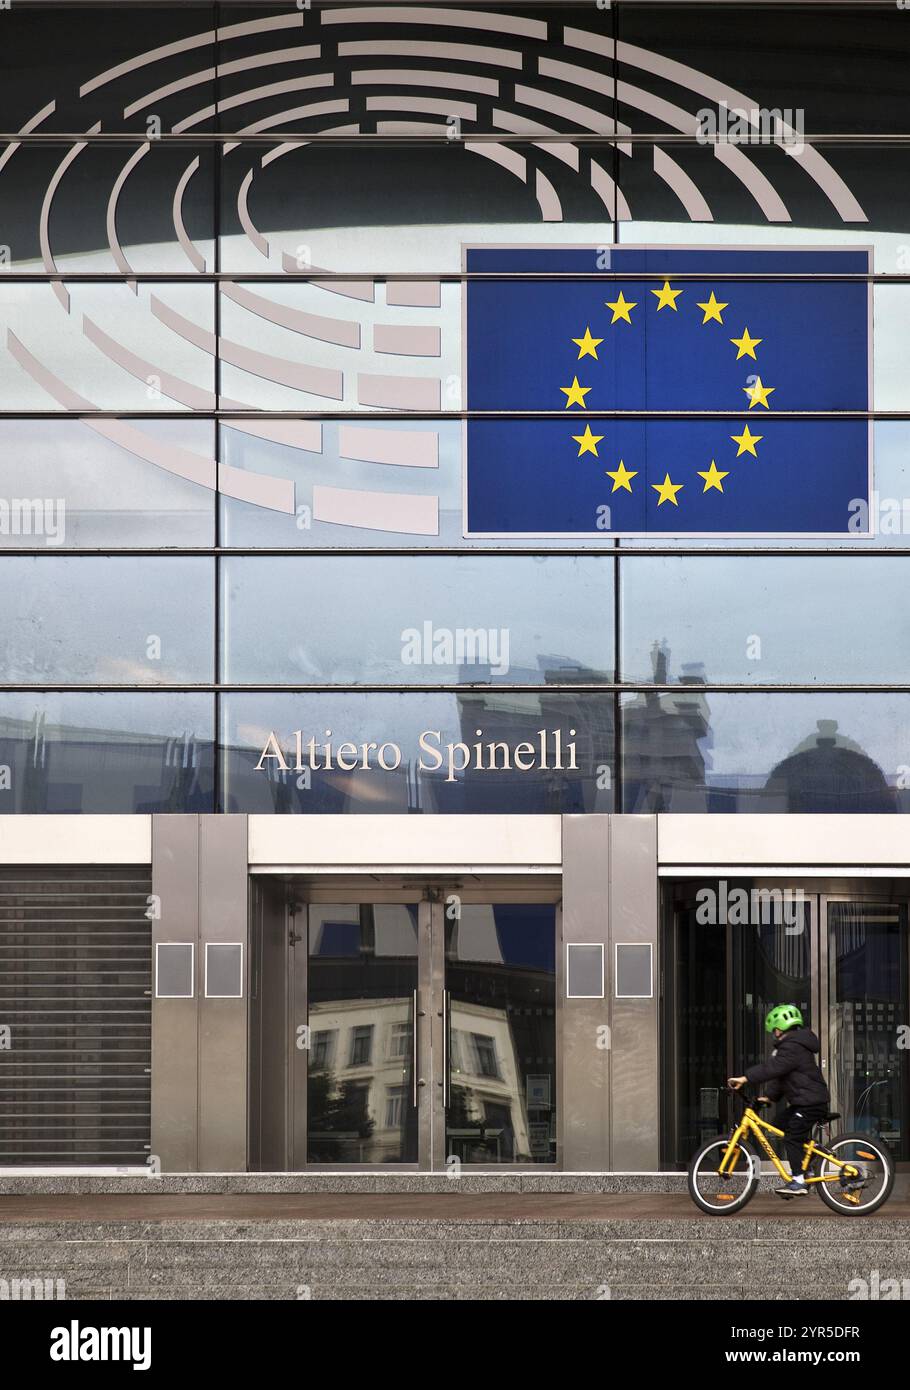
[722, 1194]
[865, 1193]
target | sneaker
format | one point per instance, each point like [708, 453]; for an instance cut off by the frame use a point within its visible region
[792, 1189]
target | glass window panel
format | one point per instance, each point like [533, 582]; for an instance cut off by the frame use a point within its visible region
[852, 195]
[104, 346]
[302, 347]
[698, 750]
[460, 778]
[109, 207]
[106, 621]
[719, 42]
[334, 206]
[306, 483]
[510, 620]
[71, 483]
[780, 619]
[105, 754]
[94, 61]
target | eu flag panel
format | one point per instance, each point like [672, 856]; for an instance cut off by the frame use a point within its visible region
[756, 346]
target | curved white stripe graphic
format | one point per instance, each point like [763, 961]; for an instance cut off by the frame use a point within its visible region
[192, 253]
[44, 235]
[31, 124]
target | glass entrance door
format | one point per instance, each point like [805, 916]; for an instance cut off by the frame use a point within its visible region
[362, 991]
[423, 1030]
[842, 959]
[499, 1046]
[866, 982]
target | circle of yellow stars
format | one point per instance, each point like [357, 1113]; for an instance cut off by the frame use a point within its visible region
[758, 393]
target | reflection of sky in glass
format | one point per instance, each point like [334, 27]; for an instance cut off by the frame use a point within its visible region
[815, 619]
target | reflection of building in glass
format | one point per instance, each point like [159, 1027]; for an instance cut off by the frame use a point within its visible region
[359, 1073]
[57, 767]
[828, 772]
[665, 734]
[501, 977]
[487, 1120]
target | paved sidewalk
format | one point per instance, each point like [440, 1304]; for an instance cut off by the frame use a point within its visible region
[489, 1206]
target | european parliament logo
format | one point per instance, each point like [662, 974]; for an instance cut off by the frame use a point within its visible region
[763, 348]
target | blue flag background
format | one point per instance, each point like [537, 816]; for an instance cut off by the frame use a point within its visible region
[543, 477]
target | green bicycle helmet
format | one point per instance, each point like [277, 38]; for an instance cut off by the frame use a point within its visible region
[783, 1016]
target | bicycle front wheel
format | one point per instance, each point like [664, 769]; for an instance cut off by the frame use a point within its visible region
[722, 1194]
[863, 1192]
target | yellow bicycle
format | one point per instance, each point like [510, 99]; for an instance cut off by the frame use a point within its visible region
[854, 1173]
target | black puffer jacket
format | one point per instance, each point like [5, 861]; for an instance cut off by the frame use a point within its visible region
[792, 1070]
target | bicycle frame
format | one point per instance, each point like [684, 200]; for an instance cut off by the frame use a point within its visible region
[752, 1123]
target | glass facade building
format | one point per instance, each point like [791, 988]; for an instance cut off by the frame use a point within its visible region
[240, 584]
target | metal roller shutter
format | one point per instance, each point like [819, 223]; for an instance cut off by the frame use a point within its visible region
[75, 1015]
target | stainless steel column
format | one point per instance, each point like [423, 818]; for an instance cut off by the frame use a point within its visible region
[223, 1029]
[200, 879]
[175, 1073]
[634, 1050]
[584, 1094]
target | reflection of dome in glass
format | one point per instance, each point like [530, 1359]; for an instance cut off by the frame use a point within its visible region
[829, 772]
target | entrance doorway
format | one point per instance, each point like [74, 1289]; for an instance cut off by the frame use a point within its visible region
[731, 950]
[404, 1025]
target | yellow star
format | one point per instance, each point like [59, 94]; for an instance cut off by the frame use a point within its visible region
[622, 477]
[747, 442]
[713, 477]
[712, 308]
[746, 345]
[621, 307]
[587, 345]
[666, 296]
[758, 394]
[575, 394]
[587, 442]
[667, 491]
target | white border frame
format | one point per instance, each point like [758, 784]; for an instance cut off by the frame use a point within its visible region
[606, 536]
[192, 946]
[208, 947]
[642, 945]
[599, 946]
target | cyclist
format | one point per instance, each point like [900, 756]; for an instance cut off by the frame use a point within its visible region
[793, 1072]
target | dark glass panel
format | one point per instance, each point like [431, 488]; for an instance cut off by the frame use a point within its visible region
[384, 731]
[105, 754]
[696, 750]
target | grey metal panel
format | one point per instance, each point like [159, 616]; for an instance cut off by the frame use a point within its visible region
[223, 916]
[584, 1098]
[635, 1052]
[175, 886]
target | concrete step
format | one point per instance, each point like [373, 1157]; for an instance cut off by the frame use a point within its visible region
[451, 1259]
